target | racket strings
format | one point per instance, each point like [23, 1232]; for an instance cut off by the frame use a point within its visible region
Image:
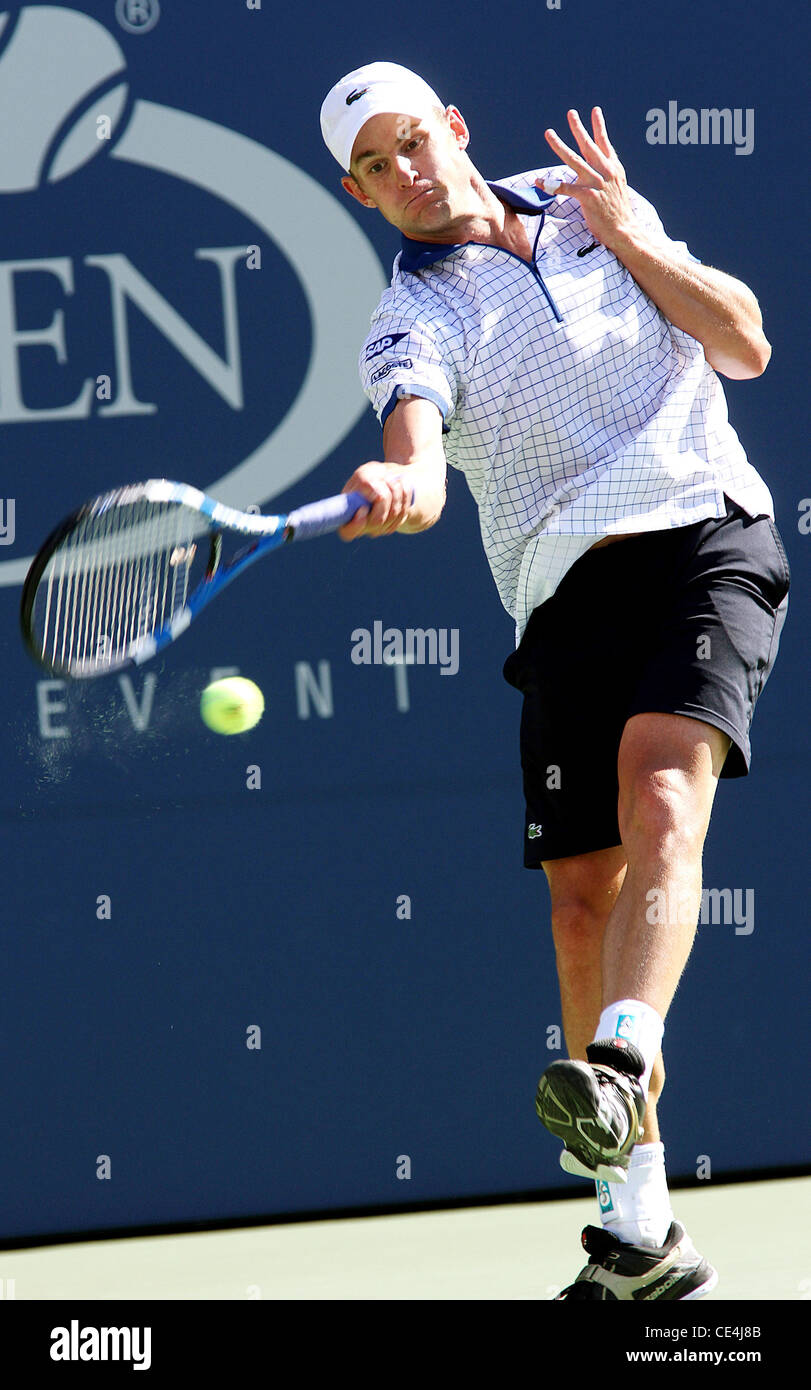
[118, 577]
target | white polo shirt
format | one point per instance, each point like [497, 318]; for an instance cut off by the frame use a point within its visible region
[571, 404]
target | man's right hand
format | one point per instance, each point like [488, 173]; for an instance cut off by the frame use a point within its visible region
[389, 491]
[412, 440]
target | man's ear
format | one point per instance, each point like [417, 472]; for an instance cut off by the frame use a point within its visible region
[355, 191]
[458, 127]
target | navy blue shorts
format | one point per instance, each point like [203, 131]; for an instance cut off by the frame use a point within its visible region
[685, 621]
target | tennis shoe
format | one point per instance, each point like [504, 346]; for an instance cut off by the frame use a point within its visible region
[596, 1108]
[618, 1270]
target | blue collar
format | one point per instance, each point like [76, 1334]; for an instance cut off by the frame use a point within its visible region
[416, 255]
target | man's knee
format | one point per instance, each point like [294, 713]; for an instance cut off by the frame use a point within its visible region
[659, 812]
[577, 924]
[668, 770]
[583, 890]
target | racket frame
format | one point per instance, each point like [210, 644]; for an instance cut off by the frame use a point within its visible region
[266, 533]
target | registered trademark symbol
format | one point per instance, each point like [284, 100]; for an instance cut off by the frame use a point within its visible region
[137, 16]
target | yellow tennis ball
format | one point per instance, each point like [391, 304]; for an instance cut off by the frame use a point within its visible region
[232, 705]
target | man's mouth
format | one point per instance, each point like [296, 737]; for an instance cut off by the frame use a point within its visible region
[417, 196]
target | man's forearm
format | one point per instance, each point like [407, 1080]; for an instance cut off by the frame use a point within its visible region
[412, 441]
[430, 481]
[718, 311]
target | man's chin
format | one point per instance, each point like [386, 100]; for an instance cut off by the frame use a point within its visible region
[428, 217]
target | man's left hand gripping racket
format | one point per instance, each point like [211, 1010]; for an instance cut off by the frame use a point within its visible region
[123, 576]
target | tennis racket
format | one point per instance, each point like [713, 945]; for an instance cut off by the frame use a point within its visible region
[125, 574]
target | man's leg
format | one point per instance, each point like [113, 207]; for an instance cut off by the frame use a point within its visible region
[616, 940]
[583, 889]
[668, 769]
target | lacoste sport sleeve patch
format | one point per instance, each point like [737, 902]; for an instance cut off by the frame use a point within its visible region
[401, 357]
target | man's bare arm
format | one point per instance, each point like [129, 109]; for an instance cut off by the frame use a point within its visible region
[718, 311]
[414, 461]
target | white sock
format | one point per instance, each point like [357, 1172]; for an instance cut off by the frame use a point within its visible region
[638, 1211]
[640, 1025]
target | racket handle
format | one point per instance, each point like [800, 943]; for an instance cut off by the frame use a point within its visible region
[320, 518]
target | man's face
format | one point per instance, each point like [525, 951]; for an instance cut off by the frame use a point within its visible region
[415, 172]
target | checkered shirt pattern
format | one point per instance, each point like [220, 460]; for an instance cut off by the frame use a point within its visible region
[573, 407]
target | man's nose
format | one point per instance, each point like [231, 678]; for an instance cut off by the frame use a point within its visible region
[405, 173]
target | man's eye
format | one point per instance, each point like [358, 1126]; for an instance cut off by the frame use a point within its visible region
[374, 168]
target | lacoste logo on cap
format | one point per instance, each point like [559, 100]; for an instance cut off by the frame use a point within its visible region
[355, 96]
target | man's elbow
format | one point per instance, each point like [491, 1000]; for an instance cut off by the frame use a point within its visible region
[764, 354]
[757, 360]
[750, 362]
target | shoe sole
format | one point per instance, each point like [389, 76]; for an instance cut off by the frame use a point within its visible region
[602, 1173]
[570, 1088]
[670, 1273]
[705, 1288]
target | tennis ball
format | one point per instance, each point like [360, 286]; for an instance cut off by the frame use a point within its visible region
[232, 705]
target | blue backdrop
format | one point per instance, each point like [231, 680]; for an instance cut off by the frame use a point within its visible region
[183, 293]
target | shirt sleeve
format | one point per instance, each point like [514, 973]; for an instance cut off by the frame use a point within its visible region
[404, 356]
[652, 224]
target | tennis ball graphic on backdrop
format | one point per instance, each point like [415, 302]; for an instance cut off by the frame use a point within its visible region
[232, 705]
[60, 102]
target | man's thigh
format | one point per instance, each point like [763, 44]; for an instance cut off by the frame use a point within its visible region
[668, 771]
[682, 623]
[651, 745]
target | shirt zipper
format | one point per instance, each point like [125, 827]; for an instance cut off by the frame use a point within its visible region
[553, 306]
[533, 267]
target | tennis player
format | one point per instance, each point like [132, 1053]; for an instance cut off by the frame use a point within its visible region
[545, 336]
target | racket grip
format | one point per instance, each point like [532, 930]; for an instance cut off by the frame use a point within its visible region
[320, 518]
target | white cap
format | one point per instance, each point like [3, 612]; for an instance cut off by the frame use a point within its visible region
[370, 91]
